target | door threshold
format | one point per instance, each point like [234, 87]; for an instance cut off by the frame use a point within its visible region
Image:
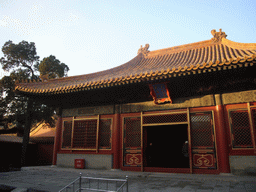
[167, 170]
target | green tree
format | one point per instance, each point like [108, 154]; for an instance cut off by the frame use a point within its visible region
[19, 60]
[13, 107]
[21, 55]
[52, 67]
[22, 61]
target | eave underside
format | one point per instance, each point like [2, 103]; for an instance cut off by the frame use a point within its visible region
[216, 82]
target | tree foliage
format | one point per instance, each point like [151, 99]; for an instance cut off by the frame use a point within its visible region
[23, 63]
[12, 105]
[19, 55]
[52, 67]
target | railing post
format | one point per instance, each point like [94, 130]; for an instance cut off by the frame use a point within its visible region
[127, 183]
[80, 182]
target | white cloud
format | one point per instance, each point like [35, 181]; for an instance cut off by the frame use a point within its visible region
[3, 23]
[8, 21]
[72, 17]
[36, 8]
[15, 25]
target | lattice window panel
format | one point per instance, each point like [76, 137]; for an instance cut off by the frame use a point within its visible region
[132, 132]
[67, 133]
[241, 131]
[165, 118]
[202, 130]
[85, 133]
[254, 121]
[105, 134]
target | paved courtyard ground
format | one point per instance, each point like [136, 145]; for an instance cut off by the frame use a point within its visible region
[52, 179]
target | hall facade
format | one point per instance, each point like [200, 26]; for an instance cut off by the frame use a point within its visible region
[184, 109]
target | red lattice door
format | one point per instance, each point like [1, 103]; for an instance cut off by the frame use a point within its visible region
[132, 142]
[203, 141]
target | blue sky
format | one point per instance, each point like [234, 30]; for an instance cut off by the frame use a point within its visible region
[94, 35]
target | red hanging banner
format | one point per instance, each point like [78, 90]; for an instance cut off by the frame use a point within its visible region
[160, 93]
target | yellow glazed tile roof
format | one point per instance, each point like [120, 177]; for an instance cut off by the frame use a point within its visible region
[43, 130]
[211, 55]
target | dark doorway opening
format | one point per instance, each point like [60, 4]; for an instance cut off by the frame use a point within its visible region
[163, 146]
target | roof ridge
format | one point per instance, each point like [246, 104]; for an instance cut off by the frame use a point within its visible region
[218, 38]
[239, 45]
[201, 44]
[179, 48]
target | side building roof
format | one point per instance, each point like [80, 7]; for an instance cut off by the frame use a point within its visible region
[206, 56]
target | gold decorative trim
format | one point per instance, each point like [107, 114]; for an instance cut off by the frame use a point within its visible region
[203, 161]
[165, 113]
[156, 124]
[133, 159]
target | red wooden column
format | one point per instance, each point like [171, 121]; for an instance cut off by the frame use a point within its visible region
[57, 140]
[116, 139]
[221, 137]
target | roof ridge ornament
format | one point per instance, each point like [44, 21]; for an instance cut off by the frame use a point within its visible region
[217, 36]
[144, 50]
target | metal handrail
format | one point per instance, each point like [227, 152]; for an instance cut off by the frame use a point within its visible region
[72, 185]
[68, 186]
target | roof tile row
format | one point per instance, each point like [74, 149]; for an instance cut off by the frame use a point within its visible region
[193, 58]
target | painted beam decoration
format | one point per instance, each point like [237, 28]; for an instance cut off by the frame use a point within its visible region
[160, 93]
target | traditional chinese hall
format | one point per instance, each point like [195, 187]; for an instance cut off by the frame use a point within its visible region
[184, 109]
